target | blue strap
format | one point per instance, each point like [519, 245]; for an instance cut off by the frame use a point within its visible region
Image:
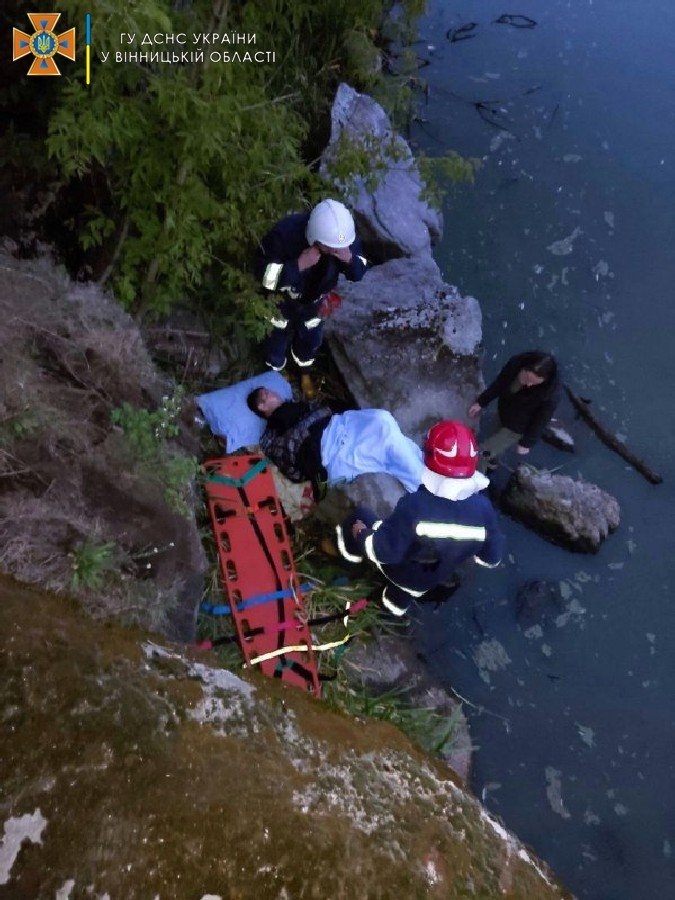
[258, 600]
[238, 482]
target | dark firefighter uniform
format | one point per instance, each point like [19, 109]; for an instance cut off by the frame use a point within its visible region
[298, 324]
[422, 542]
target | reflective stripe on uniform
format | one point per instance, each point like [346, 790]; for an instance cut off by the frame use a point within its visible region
[370, 553]
[279, 323]
[302, 362]
[291, 291]
[313, 323]
[393, 608]
[451, 530]
[271, 277]
[368, 545]
[487, 565]
[350, 557]
[276, 368]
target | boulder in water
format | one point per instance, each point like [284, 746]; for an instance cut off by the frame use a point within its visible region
[567, 511]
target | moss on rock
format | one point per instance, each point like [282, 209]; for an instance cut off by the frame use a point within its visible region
[160, 775]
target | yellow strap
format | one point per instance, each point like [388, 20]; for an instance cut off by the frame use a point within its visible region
[295, 649]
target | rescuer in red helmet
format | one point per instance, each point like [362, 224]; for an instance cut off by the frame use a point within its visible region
[433, 530]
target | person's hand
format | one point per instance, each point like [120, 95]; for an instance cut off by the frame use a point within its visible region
[308, 258]
[344, 254]
[474, 409]
[358, 527]
[522, 451]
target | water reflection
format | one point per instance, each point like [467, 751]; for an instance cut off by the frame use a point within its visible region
[566, 239]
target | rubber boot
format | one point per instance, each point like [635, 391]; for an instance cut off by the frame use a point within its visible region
[308, 386]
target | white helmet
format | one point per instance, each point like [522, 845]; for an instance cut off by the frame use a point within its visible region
[331, 223]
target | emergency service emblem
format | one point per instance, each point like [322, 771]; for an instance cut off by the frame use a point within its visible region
[44, 44]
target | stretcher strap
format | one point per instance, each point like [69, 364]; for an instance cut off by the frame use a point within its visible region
[291, 664]
[296, 648]
[350, 610]
[238, 482]
[257, 600]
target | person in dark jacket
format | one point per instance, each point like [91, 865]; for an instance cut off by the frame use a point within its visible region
[430, 532]
[527, 390]
[308, 442]
[300, 260]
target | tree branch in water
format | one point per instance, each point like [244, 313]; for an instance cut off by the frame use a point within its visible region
[611, 440]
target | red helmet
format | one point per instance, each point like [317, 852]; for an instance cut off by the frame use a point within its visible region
[451, 450]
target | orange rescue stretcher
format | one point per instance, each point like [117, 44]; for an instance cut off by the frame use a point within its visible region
[258, 573]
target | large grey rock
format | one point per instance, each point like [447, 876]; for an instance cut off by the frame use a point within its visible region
[392, 217]
[407, 342]
[574, 513]
[377, 491]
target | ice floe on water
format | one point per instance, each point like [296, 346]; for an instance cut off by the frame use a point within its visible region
[554, 792]
[565, 245]
[601, 270]
[499, 139]
[490, 656]
[586, 734]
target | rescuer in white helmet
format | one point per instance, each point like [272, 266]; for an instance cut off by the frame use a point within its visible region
[300, 260]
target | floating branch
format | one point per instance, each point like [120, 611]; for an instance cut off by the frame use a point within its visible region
[515, 21]
[611, 440]
[463, 33]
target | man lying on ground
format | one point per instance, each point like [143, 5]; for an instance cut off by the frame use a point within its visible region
[308, 442]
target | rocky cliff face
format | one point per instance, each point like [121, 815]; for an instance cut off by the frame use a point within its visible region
[82, 508]
[131, 769]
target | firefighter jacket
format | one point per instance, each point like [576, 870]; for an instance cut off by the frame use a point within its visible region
[528, 410]
[426, 537]
[276, 263]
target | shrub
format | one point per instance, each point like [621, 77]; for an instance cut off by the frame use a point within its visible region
[147, 433]
[91, 562]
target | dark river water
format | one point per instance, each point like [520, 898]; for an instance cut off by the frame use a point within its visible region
[567, 239]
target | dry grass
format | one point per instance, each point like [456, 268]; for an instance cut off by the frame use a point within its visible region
[69, 355]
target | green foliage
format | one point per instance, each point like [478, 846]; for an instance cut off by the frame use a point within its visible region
[18, 427]
[148, 432]
[441, 171]
[434, 732]
[198, 159]
[91, 562]
[368, 160]
[177, 473]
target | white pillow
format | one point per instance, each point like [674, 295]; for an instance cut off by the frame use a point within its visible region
[228, 416]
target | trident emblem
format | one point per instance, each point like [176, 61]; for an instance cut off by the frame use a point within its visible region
[44, 44]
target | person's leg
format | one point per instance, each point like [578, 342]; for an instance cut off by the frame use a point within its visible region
[495, 445]
[395, 600]
[277, 342]
[306, 341]
[360, 441]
